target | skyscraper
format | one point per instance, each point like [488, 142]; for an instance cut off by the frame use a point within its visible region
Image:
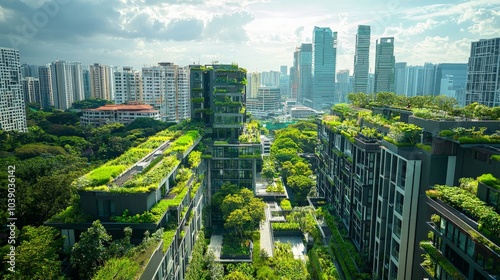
[284, 81]
[362, 59]
[429, 74]
[86, 82]
[414, 81]
[127, 85]
[324, 57]
[101, 81]
[67, 83]
[342, 87]
[459, 73]
[304, 90]
[294, 75]
[483, 75]
[12, 113]
[46, 93]
[384, 65]
[400, 78]
[166, 87]
[31, 90]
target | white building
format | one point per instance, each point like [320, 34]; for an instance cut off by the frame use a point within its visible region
[117, 113]
[166, 88]
[31, 90]
[127, 85]
[303, 112]
[101, 81]
[45, 78]
[12, 108]
[67, 83]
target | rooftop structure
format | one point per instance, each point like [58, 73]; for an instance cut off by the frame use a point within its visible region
[121, 113]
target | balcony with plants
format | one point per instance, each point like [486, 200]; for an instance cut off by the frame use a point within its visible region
[482, 222]
[251, 133]
[471, 135]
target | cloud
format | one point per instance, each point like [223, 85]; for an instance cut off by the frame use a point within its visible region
[419, 28]
[228, 27]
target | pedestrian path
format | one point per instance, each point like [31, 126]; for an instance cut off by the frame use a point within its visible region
[266, 238]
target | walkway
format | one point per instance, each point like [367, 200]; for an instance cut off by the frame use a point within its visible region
[266, 238]
[216, 245]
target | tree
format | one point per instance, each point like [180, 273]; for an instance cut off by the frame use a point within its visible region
[269, 170]
[238, 220]
[90, 252]
[301, 186]
[230, 203]
[90, 103]
[237, 275]
[37, 255]
[301, 168]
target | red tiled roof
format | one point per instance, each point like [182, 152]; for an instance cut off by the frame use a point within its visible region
[125, 107]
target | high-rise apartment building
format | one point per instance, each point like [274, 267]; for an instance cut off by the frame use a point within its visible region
[253, 84]
[304, 71]
[267, 101]
[166, 88]
[294, 75]
[270, 78]
[101, 81]
[384, 65]
[483, 77]
[31, 90]
[67, 83]
[12, 106]
[127, 85]
[29, 70]
[378, 190]
[362, 59]
[324, 57]
[87, 92]
[218, 99]
[45, 78]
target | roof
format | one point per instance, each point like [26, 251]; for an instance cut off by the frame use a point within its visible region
[125, 107]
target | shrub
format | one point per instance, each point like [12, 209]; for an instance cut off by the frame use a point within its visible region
[102, 175]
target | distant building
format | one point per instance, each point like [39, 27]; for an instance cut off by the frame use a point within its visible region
[323, 68]
[127, 85]
[253, 84]
[118, 113]
[300, 112]
[429, 76]
[483, 76]
[45, 78]
[459, 73]
[29, 70]
[12, 106]
[414, 81]
[31, 89]
[400, 78]
[166, 88]
[343, 85]
[362, 59]
[284, 81]
[267, 101]
[304, 73]
[67, 83]
[101, 81]
[384, 65]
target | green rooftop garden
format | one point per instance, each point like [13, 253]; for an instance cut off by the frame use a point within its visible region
[471, 135]
[156, 212]
[98, 178]
[251, 133]
[400, 133]
[490, 180]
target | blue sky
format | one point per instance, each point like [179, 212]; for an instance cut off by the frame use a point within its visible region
[260, 35]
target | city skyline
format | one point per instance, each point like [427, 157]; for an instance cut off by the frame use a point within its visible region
[259, 35]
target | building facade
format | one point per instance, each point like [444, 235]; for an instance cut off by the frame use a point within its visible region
[127, 85]
[362, 59]
[304, 73]
[12, 105]
[45, 78]
[483, 85]
[384, 65]
[31, 90]
[67, 83]
[324, 55]
[377, 189]
[101, 81]
[118, 113]
[166, 88]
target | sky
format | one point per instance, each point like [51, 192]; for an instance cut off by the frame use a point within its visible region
[259, 35]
